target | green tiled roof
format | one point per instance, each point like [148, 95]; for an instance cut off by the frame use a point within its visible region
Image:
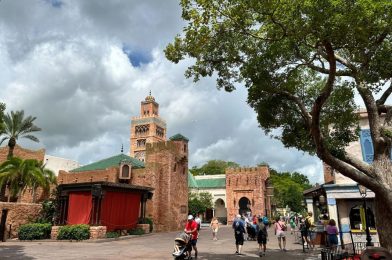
[191, 181]
[178, 137]
[110, 162]
[211, 183]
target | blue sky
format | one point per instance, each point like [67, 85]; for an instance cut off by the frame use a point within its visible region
[83, 67]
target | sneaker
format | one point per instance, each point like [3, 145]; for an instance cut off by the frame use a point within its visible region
[284, 250]
[236, 253]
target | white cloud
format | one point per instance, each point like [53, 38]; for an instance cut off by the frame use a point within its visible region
[66, 66]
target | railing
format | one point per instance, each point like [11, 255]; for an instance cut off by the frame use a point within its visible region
[345, 251]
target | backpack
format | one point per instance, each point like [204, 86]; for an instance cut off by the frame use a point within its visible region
[307, 223]
[265, 220]
[238, 227]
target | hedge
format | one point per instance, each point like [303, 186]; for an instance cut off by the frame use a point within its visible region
[35, 231]
[74, 232]
[136, 231]
[112, 234]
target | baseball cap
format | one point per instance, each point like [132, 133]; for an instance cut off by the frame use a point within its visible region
[190, 217]
[238, 216]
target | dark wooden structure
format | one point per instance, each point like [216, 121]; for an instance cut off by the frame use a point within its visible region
[115, 205]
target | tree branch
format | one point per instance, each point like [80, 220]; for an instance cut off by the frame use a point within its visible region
[385, 95]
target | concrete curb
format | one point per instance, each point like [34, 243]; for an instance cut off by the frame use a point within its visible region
[101, 240]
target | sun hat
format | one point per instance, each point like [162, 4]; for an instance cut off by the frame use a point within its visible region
[190, 217]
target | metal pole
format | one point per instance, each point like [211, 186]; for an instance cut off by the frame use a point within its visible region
[368, 237]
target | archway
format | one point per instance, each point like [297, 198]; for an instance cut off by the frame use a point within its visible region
[244, 206]
[220, 210]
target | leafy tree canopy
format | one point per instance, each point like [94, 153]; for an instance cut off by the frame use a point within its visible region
[288, 189]
[199, 202]
[213, 167]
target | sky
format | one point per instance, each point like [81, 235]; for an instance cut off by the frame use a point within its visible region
[83, 67]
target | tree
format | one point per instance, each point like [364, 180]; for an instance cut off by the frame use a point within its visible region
[199, 202]
[288, 189]
[2, 108]
[20, 174]
[16, 126]
[302, 63]
[213, 167]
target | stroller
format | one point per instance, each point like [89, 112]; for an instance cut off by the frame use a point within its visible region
[182, 246]
[252, 232]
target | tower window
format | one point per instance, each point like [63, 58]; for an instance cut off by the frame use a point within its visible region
[141, 143]
[175, 167]
[184, 147]
[142, 129]
[160, 131]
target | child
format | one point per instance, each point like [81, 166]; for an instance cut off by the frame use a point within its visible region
[262, 237]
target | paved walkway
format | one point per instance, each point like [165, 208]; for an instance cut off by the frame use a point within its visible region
[154, 246]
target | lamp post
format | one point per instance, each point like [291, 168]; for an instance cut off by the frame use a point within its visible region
[362, 191]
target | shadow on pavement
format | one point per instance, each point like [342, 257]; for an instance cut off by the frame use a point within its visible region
[13, 252]
[270, 255]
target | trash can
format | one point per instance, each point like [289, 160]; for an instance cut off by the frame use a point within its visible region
[327, 254]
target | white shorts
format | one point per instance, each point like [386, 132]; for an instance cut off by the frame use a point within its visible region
[280, 233]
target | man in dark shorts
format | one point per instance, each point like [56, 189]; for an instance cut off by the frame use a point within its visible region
[191, 228]
[262, 237]
[239, 230]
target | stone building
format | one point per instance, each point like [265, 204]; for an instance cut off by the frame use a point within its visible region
[159, 164]
[148, 127]
[238, 191]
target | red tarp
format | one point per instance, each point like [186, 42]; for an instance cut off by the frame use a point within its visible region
[120, 210]
[79, 207]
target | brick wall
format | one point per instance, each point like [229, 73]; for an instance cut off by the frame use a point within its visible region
[166, 172]
[328, 174]
[19, 214]
[22, 153]
[109, 175]
[249, 183]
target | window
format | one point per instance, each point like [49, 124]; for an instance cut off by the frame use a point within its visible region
[184, 147]
[357, 217]
[141, 143]
[175, 167]
[160, 131]
[142, 129]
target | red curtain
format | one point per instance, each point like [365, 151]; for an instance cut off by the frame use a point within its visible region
[79, 207]
[120, 210]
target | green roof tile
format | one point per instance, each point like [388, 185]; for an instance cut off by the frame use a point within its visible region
[179, 137]
[110, 162]
[191, 181]
[211, 183]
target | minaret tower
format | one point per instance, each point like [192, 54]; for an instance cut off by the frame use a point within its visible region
[146, 128]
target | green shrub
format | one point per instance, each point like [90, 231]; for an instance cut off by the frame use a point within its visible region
[147, 221]
[136, 231]
[74, 232]
[35, 231]
[112, 234]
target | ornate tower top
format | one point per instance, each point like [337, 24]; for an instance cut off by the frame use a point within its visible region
[150, 98]
[146, 128]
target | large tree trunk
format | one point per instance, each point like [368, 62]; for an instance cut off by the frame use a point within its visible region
[383, 201]
[384, 222]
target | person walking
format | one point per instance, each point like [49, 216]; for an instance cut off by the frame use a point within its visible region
[332, 234]
[280, 228]
[198, 222]
[239, 231]
[191, 228]
[262, 237]
[308, 230]
[215, 227]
